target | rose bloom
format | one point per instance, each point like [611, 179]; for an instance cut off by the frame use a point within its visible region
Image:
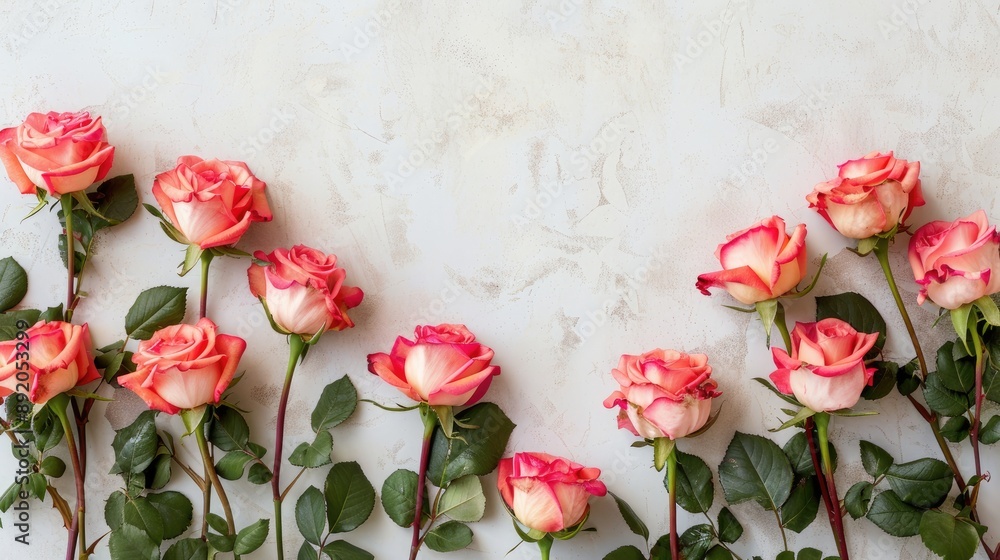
[62, 152]
[870, 195]
[444, 365]
[956, 262]
[547, 493]
[211, 202]
[58, 357]
[184, 366]
[304, 290]
[826, 370]
[759, 263]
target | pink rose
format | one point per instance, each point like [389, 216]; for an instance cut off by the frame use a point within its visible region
[443, 366]
[664, 393]
[62, 152]
[303, 290]
[211, 202]
[547, 493]
[870, 195]
[184, 366]
[956, 262]
[58, 359]
[826, 370]
[759, 263]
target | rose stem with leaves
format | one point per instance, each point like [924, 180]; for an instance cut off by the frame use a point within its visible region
[429, 419]
[882, 254]
[296, 345]
[977, 343]
[822, 420]
[675, 550]
[58, 406]
[206, 261]
[199, 435]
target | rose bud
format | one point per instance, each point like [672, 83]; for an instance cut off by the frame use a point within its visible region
[870, 195]
[547, 493]
[58, 359]
[61, 152]
[211, 202]
[826, 370]
[303, 290]
[759, 263]
[184, 366]
[443, 366]
[956, 262]
[664, 393]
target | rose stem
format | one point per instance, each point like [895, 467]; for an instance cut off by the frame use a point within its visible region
[977, 342]
[67, 207]
[206, 261]
[779, 321]
[675, 549]
[429, 418]
[545, 545]
[199, 435]
[58, 406]
[882, 253]
[295, 347]
[822, 427]
[817, 465]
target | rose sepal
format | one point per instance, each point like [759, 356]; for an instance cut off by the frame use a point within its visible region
[663, 448]
[193, 418]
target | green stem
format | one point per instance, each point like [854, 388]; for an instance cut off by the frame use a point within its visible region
[58, 406]
[429, 418]
[206, 261]
[295, 348]
[675, 549]
[822, 420]
[67, 207]
[779, 321]
[199, 435]
[977, 343]
[545, 545]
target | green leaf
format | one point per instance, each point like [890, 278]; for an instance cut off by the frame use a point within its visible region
[336, 404]
[350, 498]
[222, 543]
[154, 309]
[9, 496]
[894, 516]
[232, 465]
[990, 433]
[175, 510]
[307, 552]
[135, 445]
[313, 455]
[399, 497]
[942, 400]
[187, 549]
[52, 314]
[625, 553]
[875, 459]
[310, 515]
[858, 312]
[217, 523]
[114, 510]
[229, 431]
[718, 552]
[343, 550]
[141, 514]
[13, 283]
[957, 374]
[158, 473]
[37, 484]
[858, 498]
[907, 379]
[755, 468]
[922, 483]
[882, 382]
[800, 510]
[131, 543]
[797, 451]
[448, 537]
[956, 429]
[259, 474]
[116, 200]
[695, 489]
[730, 528]
[472, 451]
[809, 554]
[948, 537]
[463, 500]
[635, 524]
[696, 541]
[250, 538]
[47, 429]
[52, 466]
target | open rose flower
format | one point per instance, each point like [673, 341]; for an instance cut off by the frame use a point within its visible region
[759, 263]
[663, 393]
[61, 152]
[211, 202]
[303, 290]
[956, 262]
[870, 195]
[184, 366]
[443, 366]
[547, 493]
[59, 359]
[826, 370]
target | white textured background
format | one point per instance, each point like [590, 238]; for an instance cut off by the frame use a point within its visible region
[554, 174]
